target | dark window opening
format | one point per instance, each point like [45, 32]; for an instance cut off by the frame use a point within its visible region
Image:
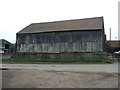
[6, 46]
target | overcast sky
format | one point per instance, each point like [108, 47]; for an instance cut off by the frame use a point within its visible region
[17, 14]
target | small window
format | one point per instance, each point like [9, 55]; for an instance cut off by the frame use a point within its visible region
[6, 46]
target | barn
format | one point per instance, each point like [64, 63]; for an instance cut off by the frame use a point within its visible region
[61, 39]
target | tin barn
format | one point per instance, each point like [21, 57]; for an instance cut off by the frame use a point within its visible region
[54, 38]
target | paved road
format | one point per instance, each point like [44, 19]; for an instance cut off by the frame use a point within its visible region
[109, 68]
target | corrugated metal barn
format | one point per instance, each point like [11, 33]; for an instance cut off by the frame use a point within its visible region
[70, 36]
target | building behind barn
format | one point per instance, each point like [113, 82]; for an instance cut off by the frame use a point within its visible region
[6, 47]
[54, 38]
[113, 46]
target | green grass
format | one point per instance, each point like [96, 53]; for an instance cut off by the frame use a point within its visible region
[62, 60]
[116, 56]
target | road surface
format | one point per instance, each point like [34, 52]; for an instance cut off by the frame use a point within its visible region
[60, 75]
[109, 68]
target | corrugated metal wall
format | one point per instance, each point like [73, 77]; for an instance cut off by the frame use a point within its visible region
[55, 42]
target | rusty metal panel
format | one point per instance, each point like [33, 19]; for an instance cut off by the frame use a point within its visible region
[55, 42]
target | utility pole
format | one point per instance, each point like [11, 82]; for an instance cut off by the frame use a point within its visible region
[110, 34]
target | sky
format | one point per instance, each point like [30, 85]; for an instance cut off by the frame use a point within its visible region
[17, 14]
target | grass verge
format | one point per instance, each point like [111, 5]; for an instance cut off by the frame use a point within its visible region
[61, 60]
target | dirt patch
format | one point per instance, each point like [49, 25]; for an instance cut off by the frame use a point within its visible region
[58, 79]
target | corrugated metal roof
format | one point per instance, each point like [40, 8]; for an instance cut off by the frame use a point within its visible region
[79, 24]
[3, 41]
